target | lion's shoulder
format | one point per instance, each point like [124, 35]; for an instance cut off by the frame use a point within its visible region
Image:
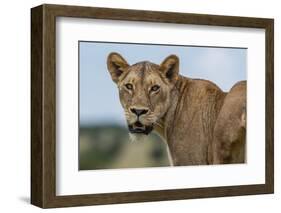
[198, 88]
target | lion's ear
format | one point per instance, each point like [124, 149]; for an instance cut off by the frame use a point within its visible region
[116, 65]
[170, 68]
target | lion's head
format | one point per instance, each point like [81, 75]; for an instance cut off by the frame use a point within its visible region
[144, 89]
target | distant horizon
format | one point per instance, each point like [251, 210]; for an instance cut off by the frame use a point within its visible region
[99, 101]
[94, 125]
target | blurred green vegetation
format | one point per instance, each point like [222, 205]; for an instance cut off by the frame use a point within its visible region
[109, 147]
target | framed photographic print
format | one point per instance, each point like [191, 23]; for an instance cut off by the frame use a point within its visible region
[135, 106]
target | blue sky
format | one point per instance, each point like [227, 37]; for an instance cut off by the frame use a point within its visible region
[99, 101]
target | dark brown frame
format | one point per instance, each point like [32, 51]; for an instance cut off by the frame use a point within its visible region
[43, 105]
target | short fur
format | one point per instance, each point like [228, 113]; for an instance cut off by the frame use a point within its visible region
[200, 123]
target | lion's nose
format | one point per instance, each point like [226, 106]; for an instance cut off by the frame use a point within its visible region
[139, 112]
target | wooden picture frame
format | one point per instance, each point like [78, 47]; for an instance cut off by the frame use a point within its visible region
[43, 105]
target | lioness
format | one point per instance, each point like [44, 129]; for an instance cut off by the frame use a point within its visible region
[200, 123]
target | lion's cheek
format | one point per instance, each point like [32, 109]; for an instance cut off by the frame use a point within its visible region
[125, 99]
[160, 104]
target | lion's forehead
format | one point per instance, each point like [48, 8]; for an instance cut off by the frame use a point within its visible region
[143, 73]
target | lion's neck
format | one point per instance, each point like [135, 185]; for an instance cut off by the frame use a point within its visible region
[166, 123]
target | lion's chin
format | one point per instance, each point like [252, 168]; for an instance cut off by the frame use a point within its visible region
[137, 138]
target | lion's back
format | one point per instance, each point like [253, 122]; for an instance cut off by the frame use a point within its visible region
[230, 130]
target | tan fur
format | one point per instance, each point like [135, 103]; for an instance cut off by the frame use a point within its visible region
[199, 122]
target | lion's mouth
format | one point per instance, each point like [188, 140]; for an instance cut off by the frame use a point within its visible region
[138, 127]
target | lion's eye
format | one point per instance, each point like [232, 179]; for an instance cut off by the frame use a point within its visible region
[155, 88]
[129, 86]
